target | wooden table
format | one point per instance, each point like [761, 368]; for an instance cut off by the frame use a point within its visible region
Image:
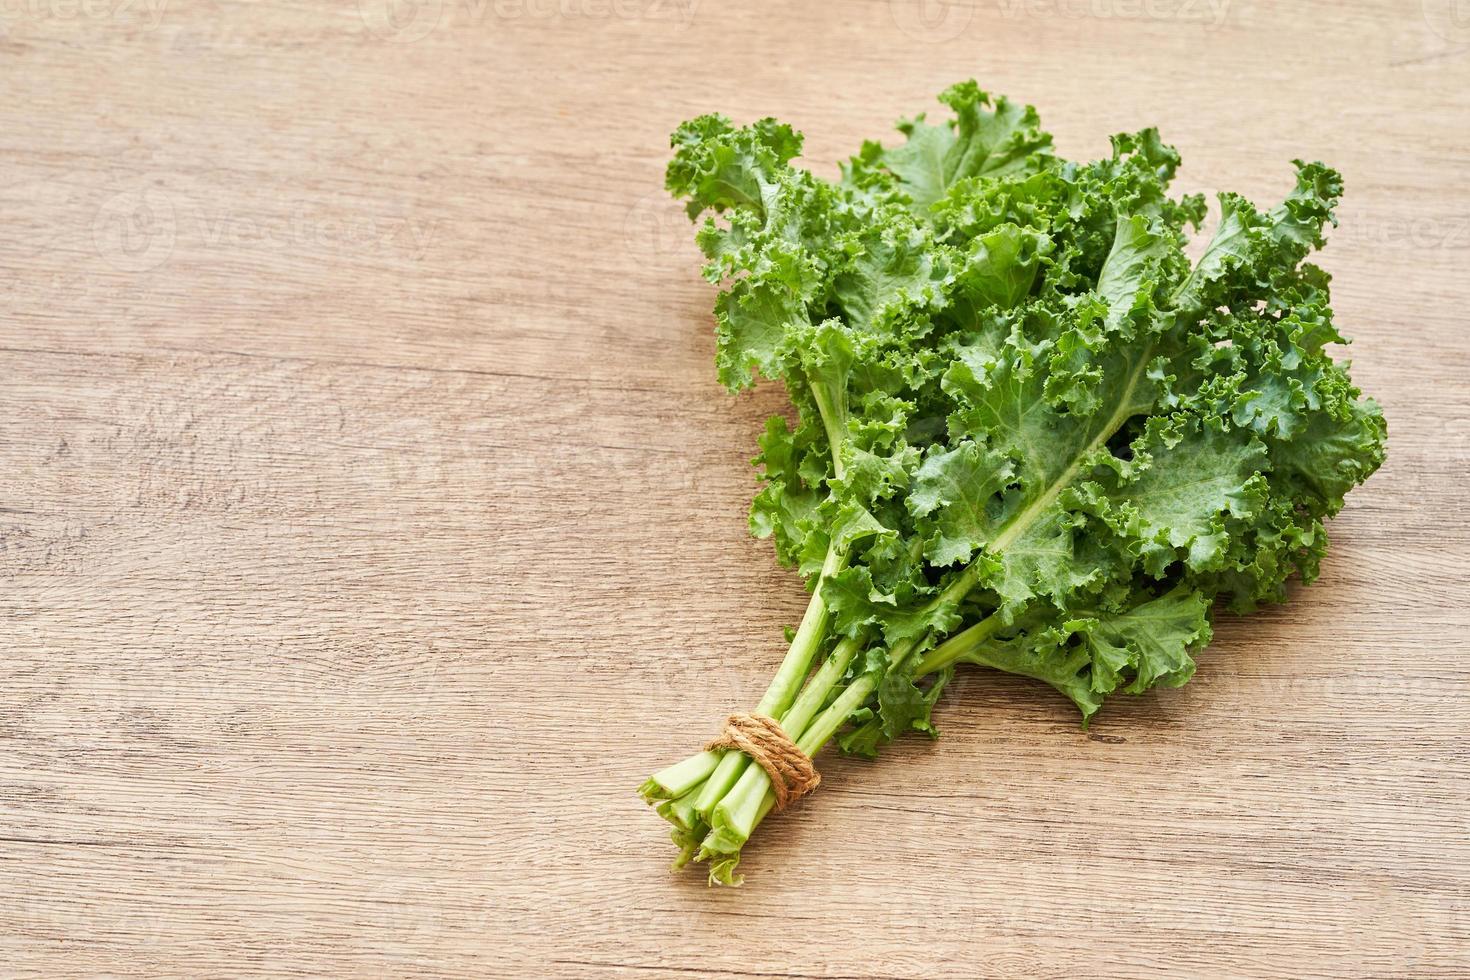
[371, 523]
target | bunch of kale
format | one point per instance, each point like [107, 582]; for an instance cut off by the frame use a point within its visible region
[1030, 433]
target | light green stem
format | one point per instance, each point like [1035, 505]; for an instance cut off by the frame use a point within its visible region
[814, 695]
[956, 647]
[735, 810]
[834, 422]
[784, 686]
[740, 811]
[735, 817]
[754, 782]
[680, 778]
[719, 770]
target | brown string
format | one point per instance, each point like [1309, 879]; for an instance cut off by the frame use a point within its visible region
[791, 770]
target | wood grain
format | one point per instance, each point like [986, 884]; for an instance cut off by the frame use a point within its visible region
[371, 524]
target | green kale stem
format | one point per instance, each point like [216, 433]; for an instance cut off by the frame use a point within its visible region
[958, 647]
[744, 806]
[721, 793]
[733, 815]
[718, 771]
[736, 815]
[815, 717]
[682, 810]
[784, 687]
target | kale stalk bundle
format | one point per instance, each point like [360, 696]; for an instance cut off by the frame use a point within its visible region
[1030, 433]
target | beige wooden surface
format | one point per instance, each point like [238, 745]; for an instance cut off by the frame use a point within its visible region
[371, 523]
